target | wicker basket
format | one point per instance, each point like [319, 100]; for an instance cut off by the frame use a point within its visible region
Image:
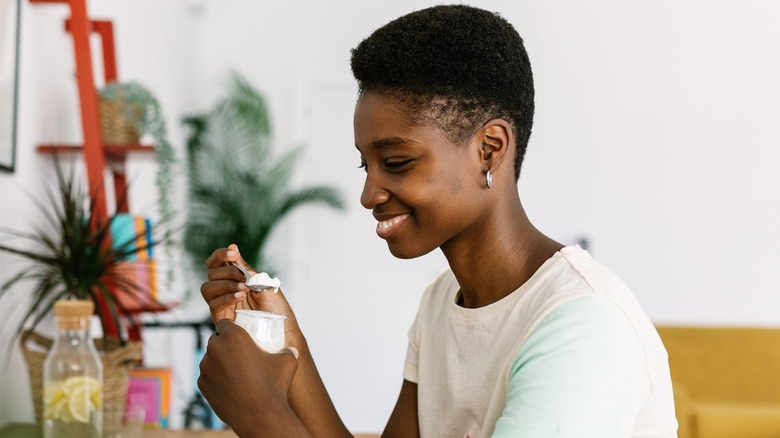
[117, 360]
[118, 122]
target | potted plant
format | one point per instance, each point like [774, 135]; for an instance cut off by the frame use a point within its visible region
[72, 255]
[239, 191]
[129, 110]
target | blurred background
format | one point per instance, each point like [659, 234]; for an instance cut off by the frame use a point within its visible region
[655, 143]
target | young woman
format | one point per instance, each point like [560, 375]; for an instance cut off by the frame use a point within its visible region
[521, 337]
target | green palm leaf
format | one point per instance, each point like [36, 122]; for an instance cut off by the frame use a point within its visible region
[239, 191]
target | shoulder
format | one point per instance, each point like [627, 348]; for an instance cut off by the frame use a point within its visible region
[579, 275]
[599, 279]
[574, 273]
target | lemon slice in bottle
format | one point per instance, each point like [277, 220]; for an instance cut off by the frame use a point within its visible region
[52, 392]
[61, 411]
[95, 398]
[80, 403]
[73, 383]
[53, 396]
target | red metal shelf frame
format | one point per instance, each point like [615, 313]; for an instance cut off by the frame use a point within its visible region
[97, 156]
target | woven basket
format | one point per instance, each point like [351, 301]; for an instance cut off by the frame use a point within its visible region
[118, 121]
[117, 360]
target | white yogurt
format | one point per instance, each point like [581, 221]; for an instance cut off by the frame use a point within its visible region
[265, 280]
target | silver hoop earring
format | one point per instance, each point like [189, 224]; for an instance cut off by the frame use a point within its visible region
[489, 179]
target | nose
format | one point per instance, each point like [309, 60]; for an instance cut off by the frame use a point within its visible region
[373, 193]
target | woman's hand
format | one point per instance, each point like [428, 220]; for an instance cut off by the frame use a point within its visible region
[246, 386]
[226, 291]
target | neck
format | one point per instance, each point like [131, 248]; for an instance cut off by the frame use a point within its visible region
[497, 256]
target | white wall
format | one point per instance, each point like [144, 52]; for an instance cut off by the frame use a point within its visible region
[655, 137]
[661, 117]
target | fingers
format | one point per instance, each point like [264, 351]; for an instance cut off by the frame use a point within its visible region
[225, 331]
[235, 373]
[225, 289]
[226, 272]
[220, 292]
[219, 261]
[222, 256]
[224, 326]
[219, 344]
[232, 355]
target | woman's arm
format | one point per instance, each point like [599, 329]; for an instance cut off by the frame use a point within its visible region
[305, 395]
[403, 421]
[311, 402]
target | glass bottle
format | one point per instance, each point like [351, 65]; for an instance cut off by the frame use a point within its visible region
[73, 376]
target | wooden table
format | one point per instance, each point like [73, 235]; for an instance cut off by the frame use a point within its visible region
[18, 430]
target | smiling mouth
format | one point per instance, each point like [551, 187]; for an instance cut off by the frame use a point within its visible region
[386, 227]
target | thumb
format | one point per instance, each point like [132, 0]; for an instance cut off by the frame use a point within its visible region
[240, 258]
[234, 247]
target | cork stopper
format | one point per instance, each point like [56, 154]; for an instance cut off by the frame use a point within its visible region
[73, 314]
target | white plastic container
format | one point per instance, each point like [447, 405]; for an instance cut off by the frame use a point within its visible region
[266, 328]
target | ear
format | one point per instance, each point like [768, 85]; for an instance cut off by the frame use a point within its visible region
[498, 144]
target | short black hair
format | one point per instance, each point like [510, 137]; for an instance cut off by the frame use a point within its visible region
[454, 65]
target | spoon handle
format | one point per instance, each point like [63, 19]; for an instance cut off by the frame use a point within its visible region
[241, 268]
[257, 287]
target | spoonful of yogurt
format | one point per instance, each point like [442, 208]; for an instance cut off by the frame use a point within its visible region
[259, 282]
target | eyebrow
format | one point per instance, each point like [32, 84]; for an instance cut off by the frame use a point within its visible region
[390, 141]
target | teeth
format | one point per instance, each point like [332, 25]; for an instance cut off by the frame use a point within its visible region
[385, 225]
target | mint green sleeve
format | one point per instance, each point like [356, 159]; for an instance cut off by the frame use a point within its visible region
[582, 373]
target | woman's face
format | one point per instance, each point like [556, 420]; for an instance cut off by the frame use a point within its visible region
[424, 190]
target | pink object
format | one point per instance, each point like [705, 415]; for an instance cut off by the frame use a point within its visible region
[145, 394]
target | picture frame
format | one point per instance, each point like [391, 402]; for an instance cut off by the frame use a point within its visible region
[10, 23]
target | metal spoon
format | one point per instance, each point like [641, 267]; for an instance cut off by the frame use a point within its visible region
[256, 287]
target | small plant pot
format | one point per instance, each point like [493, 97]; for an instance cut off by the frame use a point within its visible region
[119, 121]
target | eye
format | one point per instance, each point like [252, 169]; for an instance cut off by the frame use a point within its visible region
[397, 165]
[363, 166]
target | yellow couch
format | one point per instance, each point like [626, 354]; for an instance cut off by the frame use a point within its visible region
[726, 380]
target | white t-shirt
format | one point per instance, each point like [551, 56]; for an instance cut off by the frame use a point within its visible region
[570, 353]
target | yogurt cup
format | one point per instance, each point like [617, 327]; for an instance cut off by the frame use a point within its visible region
[266, 328]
